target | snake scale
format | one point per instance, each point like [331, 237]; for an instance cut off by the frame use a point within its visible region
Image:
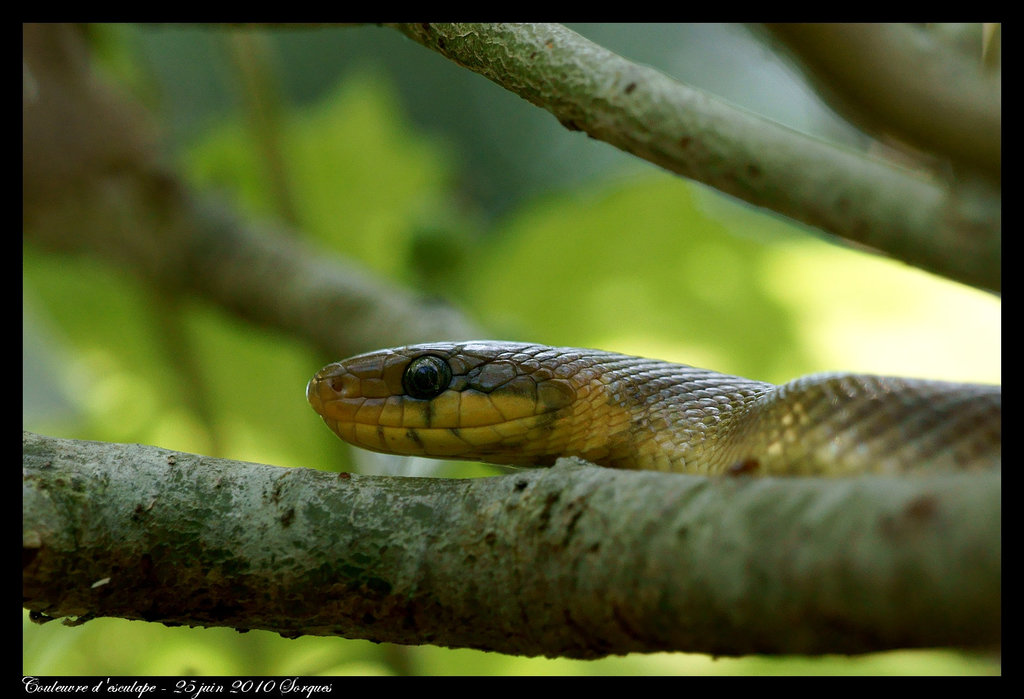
[527, 405]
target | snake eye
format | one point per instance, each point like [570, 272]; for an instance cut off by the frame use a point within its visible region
[426, 377]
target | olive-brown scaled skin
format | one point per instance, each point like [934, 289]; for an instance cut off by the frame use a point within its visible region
[528, 405]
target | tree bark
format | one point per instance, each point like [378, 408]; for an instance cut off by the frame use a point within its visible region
[575, 561]
[952, 229]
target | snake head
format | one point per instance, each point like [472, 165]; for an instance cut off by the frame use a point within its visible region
[487, 401]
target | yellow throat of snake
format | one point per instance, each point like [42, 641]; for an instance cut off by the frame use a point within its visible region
[527, 405]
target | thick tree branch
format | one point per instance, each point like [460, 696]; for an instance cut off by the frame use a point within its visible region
[894, 79]
[953, 231]
[575, 561]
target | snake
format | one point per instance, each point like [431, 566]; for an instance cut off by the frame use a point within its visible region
[521, 404]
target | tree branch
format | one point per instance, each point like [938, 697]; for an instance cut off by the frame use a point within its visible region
[894, 79]
[575, 561]
[954, 231]
[94, 184]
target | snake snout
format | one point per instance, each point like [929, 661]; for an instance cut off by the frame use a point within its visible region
[331, 385]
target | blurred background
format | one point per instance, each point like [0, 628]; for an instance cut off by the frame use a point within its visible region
[433, 177]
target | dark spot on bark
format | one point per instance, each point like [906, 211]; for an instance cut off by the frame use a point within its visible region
[685, 142]
[624, 623]
[630, 88]
[570, 124]
[344, 476]
[147, 569]
[921, 508]
[351, 571]
[288, 517]
[571, 526]
[743, 468]
[378, 585]
[544, 519]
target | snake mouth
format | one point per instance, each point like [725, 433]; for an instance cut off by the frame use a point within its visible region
[333, 398]
[519, 441]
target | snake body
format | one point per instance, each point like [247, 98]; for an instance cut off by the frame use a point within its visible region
[526, 404]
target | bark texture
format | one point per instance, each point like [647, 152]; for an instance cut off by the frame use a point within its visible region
[575, 561]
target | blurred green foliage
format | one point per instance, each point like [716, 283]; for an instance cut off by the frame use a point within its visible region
[604, 267]
[362, 180]
[121, 369]
[116, 647]
[648, 264]
[658, 266]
